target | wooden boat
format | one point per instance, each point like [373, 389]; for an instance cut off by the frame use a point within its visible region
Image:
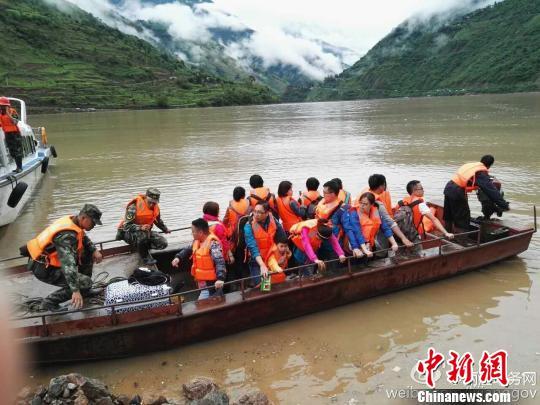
[93, 333]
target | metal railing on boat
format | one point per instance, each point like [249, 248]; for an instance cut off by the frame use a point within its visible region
[242, 282]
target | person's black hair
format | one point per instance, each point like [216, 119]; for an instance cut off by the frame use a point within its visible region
[201, 225]
[339, 182]
[239, 193]
[369, 196]
[324, 231]
[264, 205]
[256, 181]
[333, 186]
[487, 160]
[284, 188]
[411, 184]
[211, 208]
[312, 184]
[280, 238]
[376, 180]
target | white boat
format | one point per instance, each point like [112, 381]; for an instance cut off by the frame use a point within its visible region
[16, 188]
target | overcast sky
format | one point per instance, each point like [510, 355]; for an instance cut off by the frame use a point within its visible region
[286, 31]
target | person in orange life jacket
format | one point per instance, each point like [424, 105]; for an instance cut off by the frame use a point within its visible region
[208, 268]
[278, 260]
[310, 198]
[343, 196]
[377, 186]
[308, 237]
[12, 133]
[211, 215]
[238, 208]
[372, 225]
[422, 216]
[332, 209]
[289, 210]
[63, 255]
[142, 213]
[259, 233]
[259, 193]
[469, 177]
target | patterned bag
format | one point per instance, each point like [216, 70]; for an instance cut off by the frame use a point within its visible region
[122, 291]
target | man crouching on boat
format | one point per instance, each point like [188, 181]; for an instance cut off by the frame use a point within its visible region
[142, 213]
[62, 255]
[208, 266]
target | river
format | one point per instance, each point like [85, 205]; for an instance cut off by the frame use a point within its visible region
[352, 353]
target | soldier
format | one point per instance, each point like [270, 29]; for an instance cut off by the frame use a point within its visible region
[62, 255]
[136, 228]
[12, 133]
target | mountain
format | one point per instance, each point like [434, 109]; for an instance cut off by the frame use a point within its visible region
[493, 49]
[58, 56]
[224, 45]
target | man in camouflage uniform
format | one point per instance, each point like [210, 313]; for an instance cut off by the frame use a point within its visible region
[74, 277]
[138, 233]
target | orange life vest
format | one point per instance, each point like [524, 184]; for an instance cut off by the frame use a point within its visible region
[144, 215]
[286, 214]
[262, 194]
[264, 239]
[465, 176]
[296, 234]
[383, 197]
[309, 197]
[344, 196]
[325, 211]
[370, 224]
[37, 246]
[203, 267]
[282, 261]
[7, 124]
[235, 211]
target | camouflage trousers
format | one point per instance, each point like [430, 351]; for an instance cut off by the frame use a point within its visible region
[14, 144]
[143, 241]
[55, 276]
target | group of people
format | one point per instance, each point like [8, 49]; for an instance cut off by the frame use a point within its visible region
[9, 119]
[262, 234]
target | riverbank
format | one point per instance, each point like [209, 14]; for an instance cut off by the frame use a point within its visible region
[76, 389]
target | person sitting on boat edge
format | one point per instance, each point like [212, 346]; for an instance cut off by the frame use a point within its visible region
[378, 187]
[259, 234]
[211, 215]
[62, 255]
[259, 193]
[311, 197]
[12, 133]
[278, 260]
[332, 209]
[343, 196]
[289, 210]
[374, 228]
[142, 213]
[208, 263]
[307, 237]
[469, 177]
[423, 219]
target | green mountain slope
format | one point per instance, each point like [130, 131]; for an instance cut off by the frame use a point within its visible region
[64, 59]
[494, 49]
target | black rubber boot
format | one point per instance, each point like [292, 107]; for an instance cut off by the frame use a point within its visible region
[144, 252]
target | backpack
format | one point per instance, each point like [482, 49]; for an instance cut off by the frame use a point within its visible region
[311, 208]
[404, 218]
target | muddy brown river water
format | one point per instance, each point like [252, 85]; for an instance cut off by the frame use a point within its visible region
[351, 354]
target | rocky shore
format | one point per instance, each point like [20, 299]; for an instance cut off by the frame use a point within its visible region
[75, 389]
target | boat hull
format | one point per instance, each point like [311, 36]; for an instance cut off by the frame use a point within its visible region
[168, 327]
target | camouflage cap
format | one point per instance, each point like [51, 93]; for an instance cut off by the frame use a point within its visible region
[93, 212]
[153, 194]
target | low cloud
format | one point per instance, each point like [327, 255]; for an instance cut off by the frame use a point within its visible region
[285, 32]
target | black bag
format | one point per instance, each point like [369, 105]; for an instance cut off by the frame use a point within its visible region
[149, 277]
[404, 218]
